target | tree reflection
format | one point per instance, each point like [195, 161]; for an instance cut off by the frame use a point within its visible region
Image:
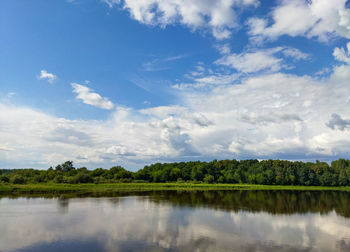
[273, 202]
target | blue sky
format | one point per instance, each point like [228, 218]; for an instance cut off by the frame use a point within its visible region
[105, 82]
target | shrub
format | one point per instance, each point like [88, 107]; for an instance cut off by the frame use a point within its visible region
[17, 179]
[209, 179]
[83, 178]
[180, 180]
[4, 179]
[58, 179]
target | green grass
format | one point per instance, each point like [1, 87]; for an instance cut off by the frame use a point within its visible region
[49, 188]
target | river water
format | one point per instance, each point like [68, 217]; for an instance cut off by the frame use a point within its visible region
[178, 221]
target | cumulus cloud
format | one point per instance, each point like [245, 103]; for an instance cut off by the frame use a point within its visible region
[342, 54]
[263, 59]
[263, 116]
[50, 77]
[204, 229]
[219, 16]
[316, 18]
[128, 137]
[275, 114]
[89, 97]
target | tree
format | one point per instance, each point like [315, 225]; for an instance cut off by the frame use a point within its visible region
[83, 178]
[4, 179]
[209, 179]
[17, 179]
[67, 166]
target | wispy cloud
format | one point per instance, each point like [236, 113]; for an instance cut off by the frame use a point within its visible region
[160, 64]
[111, 3]
[176, 57]
[10, 94]
[88, 96]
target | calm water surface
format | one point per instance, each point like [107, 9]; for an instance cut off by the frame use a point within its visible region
[178, 221]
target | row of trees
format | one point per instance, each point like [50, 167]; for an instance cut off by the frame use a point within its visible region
[267, 172]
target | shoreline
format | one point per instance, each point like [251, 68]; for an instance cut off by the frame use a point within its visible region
[51, 188]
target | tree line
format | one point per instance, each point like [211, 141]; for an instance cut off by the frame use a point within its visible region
[266, 172]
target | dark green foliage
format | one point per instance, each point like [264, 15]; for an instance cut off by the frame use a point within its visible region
[17, 179]
[4, 179]
[266, 172]
[82, 178]
[58, 179]
[209, 179]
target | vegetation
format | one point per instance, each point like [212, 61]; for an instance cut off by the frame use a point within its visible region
[266, 172]
[74, 190]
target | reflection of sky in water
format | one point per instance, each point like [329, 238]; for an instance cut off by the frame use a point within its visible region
[138, 224]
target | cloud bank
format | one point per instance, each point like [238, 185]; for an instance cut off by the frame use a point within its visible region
[263, 116]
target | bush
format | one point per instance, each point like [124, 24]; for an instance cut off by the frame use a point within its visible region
[17, 179]
[4, 179]
[69, 180]
[221, 179]
[140, 181]
[38, 179]
[83, 178]
[125, 180]
[58, 179]
[180, 180]
[209, 179]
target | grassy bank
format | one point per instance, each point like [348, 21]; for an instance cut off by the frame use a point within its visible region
[50, 188]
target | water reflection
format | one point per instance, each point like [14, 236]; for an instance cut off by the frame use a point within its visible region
[274, 202]
[179, 221]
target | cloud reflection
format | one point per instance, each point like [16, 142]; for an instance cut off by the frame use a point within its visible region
[139, 223]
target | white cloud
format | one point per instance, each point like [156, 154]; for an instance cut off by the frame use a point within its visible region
[223, 48]
[194, 230]
[89, 97]
[342, 55]
[50, 77]
[258, 60]
[274, 114]
[252, 61]
[295, 54]
[263, 116]
[219, 16]
[315, 18]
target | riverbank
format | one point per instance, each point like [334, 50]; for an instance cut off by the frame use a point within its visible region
[51, 188]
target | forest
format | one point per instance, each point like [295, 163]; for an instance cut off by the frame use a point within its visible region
[264, 172]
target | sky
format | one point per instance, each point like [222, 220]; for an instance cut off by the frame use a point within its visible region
[134, 82]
